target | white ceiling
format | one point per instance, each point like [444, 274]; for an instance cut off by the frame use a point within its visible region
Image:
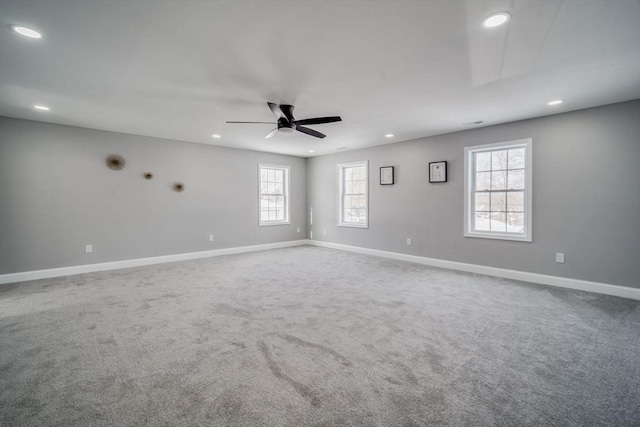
[180, 69]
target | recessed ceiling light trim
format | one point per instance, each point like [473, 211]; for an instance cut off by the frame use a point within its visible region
[42, 107]
[389, 135]
[496, 20]
[215, 135]
[26, 32]
[555, 102]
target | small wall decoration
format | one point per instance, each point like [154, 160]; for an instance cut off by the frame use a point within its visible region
[115, 162]
[438, 172]
[387, 175]
[178, 186]
[148, 175]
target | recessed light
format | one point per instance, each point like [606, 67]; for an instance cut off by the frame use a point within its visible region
[312, 151]
[556, 102]
[496, 20]
[41, 107]
[389, 135]
[215, 135]
[27, 32]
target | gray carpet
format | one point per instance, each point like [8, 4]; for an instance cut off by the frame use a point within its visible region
[308, 336]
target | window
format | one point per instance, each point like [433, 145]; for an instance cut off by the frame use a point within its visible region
[353, 188]
[274, 195]
[498, 190]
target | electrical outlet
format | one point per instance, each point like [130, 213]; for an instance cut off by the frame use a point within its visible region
[88, 249]
[560, 258]
[408, 241]
[211, 237]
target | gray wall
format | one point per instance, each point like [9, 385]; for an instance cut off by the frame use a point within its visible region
[56, 195]
[586, 197]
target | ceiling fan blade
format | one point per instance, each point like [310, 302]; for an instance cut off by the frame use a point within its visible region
[270, 134]
[275, 108]
[318, 120]
[310, 132]
[266, 123]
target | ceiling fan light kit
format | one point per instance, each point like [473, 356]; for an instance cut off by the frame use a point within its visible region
[286, 123]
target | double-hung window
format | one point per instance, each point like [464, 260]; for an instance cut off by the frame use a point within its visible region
[274, 194]
[353, 183]
[498, 190]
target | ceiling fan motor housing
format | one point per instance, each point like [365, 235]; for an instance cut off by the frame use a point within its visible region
[286, 126]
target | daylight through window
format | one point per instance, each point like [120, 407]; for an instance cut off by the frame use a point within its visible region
[274, 195]
[498, 190]
[353, 186]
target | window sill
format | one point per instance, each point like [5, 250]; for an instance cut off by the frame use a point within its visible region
[496, 236]
[353, 225]
[270, 223]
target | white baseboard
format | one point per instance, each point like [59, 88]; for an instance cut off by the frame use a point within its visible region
[91, 268]
[583, 285]
[543, 279]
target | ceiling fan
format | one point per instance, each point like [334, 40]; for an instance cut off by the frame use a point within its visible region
[288, 124]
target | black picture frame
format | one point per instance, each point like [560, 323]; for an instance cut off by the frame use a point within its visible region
[387, 175]
[437, 172]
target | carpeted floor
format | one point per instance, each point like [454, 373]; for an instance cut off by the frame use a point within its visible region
[308, 336]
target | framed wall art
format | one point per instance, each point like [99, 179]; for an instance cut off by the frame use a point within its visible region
[438, 172]
[386, 175]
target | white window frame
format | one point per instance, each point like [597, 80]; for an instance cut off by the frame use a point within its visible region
[469, 185]
[286, 220]
[341, 168]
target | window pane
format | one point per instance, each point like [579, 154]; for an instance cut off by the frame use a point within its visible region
[279, 176]
[498, 201]
[264, 215]
[263, 174]
[516, 180]
[264, 202]
[515, 222]
[483, 181]
[280, 215]
[498, 160]
[515, 201]
[278, 189]
[482, 201]
[482, 221]
[272, 215]
[270, 188]
[498, 221]
[347, 202]
[498, 180]
[271, 175]
[356, 173]
[263, 188]
[516, 158]
[483, 162]
[348, 174]
[348, 187]
[362, 201]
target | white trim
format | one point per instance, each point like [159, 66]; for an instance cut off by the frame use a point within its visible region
[115, 265]
[543, 279]
[528, 192]
[287, 220]
[341, 167]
